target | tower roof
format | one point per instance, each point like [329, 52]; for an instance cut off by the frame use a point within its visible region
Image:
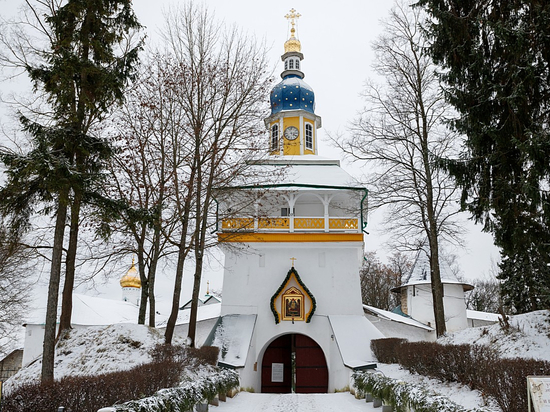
[131, 278]
[421, 273]
[292, 94]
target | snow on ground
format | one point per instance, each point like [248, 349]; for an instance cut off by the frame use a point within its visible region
[257, 402]
[527, 337]
[96, 350]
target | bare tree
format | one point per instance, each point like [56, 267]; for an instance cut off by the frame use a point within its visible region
[378, 279]
[487, 294]
[16, 275]
[398, 134]
[222, 87]
[145, 172]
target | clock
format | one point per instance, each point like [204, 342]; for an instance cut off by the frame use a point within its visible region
[291, 133]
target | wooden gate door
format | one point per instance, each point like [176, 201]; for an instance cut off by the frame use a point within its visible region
[277, 367]
[311, 366]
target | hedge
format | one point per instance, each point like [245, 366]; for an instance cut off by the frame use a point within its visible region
[477, 366]
[403, 396]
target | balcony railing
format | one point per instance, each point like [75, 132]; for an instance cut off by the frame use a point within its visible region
[291, 224]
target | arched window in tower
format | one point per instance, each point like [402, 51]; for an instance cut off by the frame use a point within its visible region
[286, 64]
[309, 136]
[290, 64]
[297, 64]
[275, 137]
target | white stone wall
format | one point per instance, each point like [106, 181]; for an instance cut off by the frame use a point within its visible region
[420, 305]
[254, 272]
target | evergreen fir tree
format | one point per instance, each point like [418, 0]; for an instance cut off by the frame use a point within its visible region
[83, 74]
[495, 57]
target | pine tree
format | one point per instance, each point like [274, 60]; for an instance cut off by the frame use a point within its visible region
[82, 74]
[495, 57]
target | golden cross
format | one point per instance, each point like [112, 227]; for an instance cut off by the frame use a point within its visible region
[293, 259]
[292, 16]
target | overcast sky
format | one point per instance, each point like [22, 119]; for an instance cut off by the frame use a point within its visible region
[336, 42]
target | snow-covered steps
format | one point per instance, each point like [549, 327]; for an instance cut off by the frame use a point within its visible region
[323, 402]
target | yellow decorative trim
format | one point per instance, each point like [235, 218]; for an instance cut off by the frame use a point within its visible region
[238, 223]
[309, 223]
[274, 223]
[300, 223]
[290, 237]
[344, 224]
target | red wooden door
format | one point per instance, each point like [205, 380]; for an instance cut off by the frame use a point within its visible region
[278, 352]
[311, 366]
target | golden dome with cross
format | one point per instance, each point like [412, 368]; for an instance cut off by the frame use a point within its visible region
[293, 44]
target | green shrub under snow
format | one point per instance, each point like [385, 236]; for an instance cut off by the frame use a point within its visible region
[404, 396]
[184, 397]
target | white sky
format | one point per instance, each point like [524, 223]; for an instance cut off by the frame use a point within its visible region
[336, 42]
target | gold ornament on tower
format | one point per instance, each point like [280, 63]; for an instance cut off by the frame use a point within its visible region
[293, 44]
[131, 278]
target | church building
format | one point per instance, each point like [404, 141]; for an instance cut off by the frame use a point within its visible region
[292, 317]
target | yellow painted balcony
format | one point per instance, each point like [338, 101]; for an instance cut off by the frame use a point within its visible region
[292, 224]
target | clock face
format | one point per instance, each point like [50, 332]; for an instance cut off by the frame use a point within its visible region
[291, 133]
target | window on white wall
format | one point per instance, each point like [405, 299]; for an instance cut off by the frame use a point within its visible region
[309, 136]
[297, 64]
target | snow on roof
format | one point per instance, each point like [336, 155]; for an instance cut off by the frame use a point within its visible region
[310, 170]
[92, 310]
[397, 318]
[421, 274]
[475, 314]
[233, 335]
[353, 334]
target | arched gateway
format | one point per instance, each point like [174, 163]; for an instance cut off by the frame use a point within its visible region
[307, 374]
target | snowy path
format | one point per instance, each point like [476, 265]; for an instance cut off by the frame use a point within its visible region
[258, 402]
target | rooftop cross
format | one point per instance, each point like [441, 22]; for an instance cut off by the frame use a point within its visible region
[292, 16]
[293, 259]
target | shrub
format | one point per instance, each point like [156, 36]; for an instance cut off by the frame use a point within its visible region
[404, 396]
[473, 365]
[385, 349]
[90, 393]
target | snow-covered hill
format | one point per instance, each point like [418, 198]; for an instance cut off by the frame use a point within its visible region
[527, 337]
[96, 350]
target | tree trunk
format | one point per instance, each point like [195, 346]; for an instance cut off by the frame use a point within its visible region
[67, 296]
[144, 283]
[191, 334]
[48, 353]
[437, 289]
[152, 274]
[171, 325]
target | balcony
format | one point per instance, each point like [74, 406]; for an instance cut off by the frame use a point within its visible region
[291, 224]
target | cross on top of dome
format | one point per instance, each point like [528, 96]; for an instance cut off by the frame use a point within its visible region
[292, 16]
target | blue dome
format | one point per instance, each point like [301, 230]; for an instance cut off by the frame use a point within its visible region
[292, 94]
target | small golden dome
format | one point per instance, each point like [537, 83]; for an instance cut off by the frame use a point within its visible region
[293, 45]
[131, 278]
